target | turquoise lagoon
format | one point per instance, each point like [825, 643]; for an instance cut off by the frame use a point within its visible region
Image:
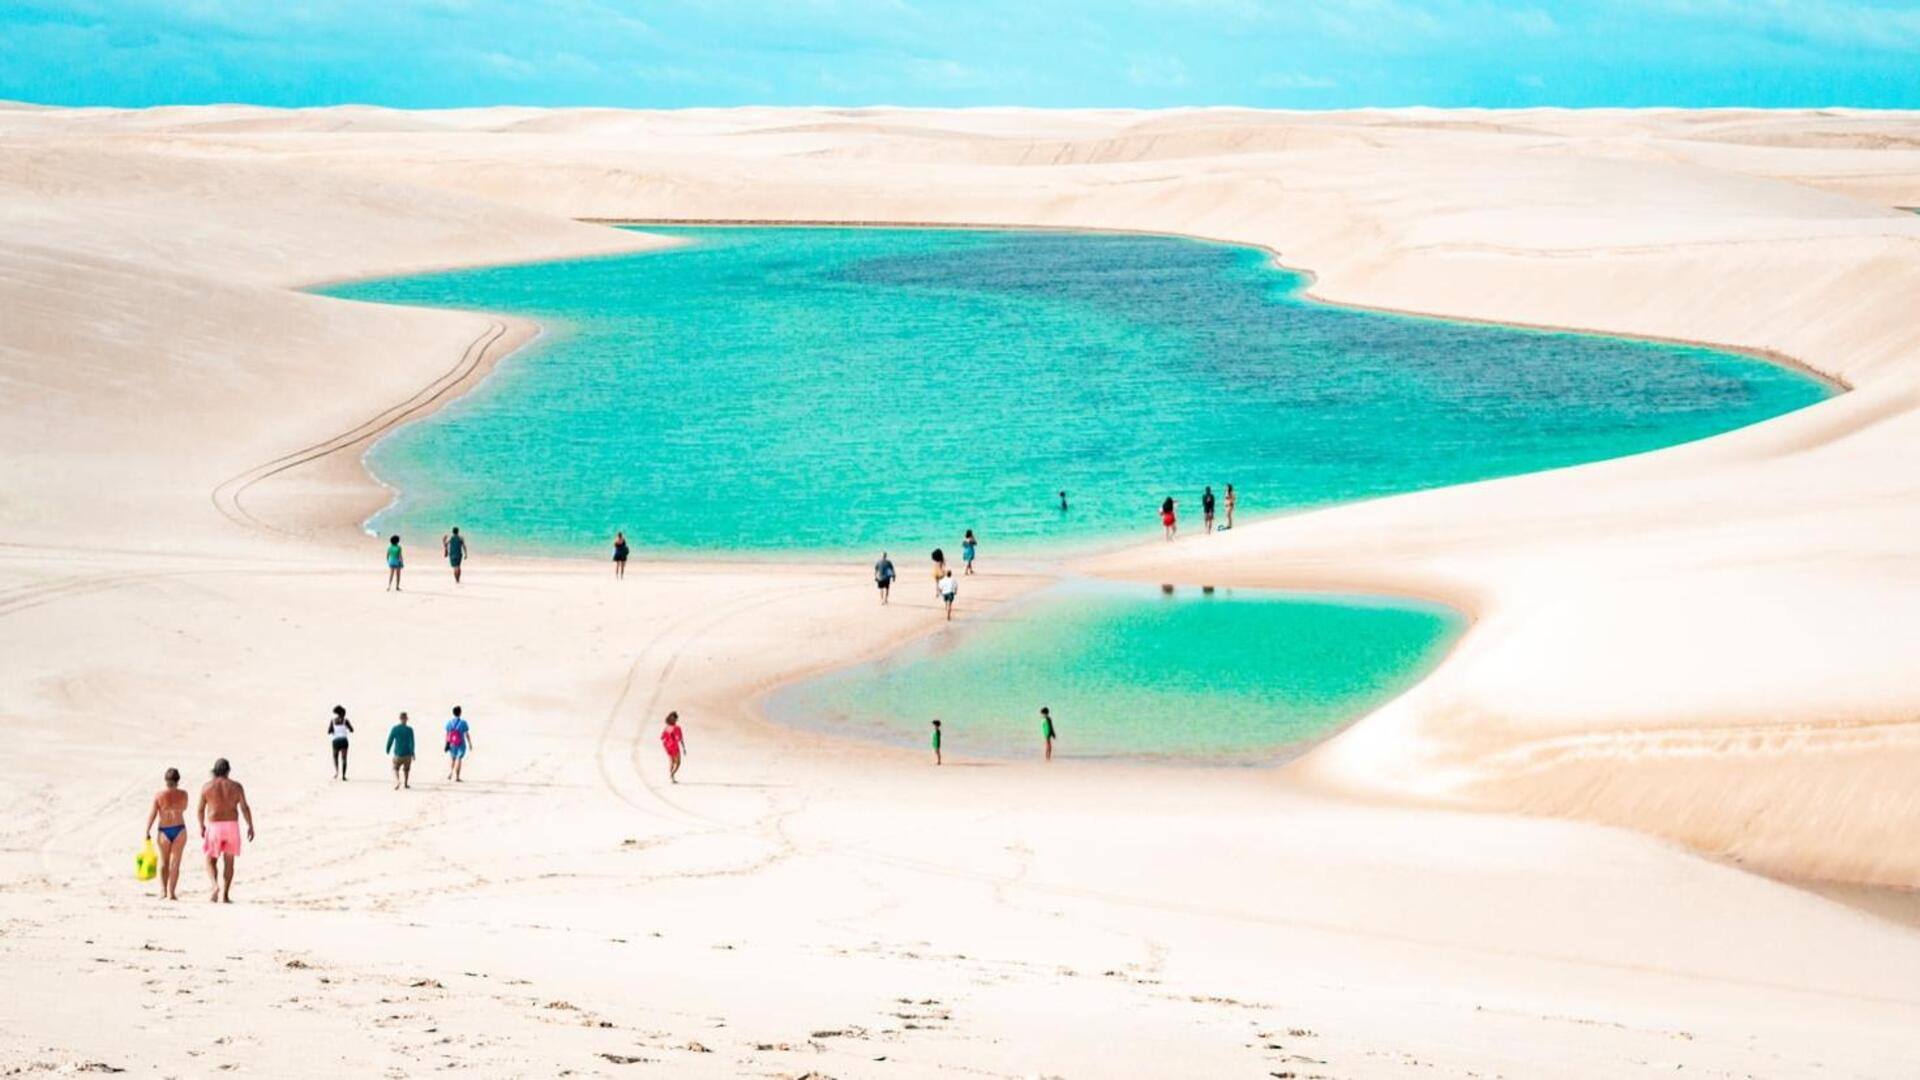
[839, 391]
[1131, 672]
[836, 391]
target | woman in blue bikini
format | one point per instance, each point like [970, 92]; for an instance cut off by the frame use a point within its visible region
[170, 812]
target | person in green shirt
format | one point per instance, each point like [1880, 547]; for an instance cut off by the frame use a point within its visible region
[395, 562]
[936, 742]
[400, 745]
[1046, 730]
[455, 547]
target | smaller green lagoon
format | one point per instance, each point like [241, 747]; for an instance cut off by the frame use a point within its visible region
[1228, 676]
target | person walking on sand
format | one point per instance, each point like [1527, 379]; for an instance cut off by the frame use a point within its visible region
[395, 562]
[455, 547]
[223, 802]
[936, 742]
[948, 588]
[620, 553]
[400, 748]
[939, 570]
[169, 811]
[883, 575]
[673, 739]
[459, 741]
[339, 729]
[1230, 501]
[1206, 508]
[1046, 730]
[968, 546]
[1167, 519]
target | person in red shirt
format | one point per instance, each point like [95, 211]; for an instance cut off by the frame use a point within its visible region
[674, 738]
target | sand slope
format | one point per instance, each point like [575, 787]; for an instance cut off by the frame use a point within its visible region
[1708, 644]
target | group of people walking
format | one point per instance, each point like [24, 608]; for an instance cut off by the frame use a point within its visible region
[458, 739]
[223, 804]
[453, 546]
[1170, 518]
[945, 587]
[223, 801]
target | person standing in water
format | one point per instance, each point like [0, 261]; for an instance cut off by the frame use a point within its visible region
[394, 563]
[400, 748]
[620, 553]
[1046, 730]
[948, 588]
[936, 742]
[1230, 506]
[455, 547]
[339, 729]
[222, 803]
[939, 570]
[1167, 519]
[883, 575]
[1206, 508]
[1063, 501]
[169, 811]
[459, 741]
[968, 547]
[673, 739]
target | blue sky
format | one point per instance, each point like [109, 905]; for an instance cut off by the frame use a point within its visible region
[1281, 53]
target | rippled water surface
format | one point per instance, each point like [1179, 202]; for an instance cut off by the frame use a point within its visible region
[836, 390]
[1129, 672]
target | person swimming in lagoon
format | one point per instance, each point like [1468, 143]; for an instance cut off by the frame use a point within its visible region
[968, 546]
[339, 729]
[620, 553]
[169, 812]
[395, 563]
[454, 546]
[223, 801]
[883, 575]
[673, 739]
[1168, 520]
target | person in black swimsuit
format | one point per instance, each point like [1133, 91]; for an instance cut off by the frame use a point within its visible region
[620, 552]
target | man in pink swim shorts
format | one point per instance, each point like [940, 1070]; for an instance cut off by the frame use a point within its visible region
[223, 801]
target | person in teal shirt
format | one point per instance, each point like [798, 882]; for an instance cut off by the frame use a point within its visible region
[455, 547]
[936, 742]
[395, 562]
[400, 745]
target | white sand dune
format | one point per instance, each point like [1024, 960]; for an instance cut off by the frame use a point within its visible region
[1682, 661]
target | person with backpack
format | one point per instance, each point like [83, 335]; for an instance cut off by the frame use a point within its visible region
[459, 742]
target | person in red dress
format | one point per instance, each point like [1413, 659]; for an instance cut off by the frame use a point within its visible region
[674, 738]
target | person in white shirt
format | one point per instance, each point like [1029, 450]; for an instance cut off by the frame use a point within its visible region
[338, 729]
[948, 587]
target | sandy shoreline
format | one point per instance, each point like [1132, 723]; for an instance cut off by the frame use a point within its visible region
[1702, 643]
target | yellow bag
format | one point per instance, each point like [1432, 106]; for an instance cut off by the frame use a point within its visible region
[147, 863]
